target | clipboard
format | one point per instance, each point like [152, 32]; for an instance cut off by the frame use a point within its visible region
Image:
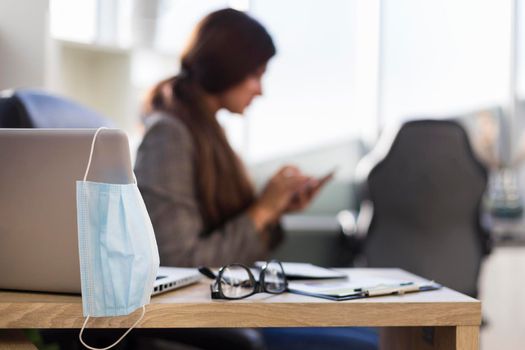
[341, 293]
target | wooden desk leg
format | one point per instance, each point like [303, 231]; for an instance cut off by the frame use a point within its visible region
[14, 339]
[467, 337]
[435, 338]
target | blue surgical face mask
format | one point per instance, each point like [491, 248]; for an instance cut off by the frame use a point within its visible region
[118, 253]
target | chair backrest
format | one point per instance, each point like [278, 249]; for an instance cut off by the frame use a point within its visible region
[26, 108]
[426, 192]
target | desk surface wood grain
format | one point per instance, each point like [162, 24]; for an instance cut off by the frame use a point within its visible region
[192, 307]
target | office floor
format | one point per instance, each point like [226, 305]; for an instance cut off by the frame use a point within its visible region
[503, 297]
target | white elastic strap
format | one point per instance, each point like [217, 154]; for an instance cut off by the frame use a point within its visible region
[91, 152]
[119, 339]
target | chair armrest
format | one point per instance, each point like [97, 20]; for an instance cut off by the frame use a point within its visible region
[356, 224]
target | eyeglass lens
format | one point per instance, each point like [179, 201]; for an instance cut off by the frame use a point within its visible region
[236, 282]
[274, 278]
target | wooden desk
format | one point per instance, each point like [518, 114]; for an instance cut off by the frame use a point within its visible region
[442, 319]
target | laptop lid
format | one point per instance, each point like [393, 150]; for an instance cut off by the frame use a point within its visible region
[38, 227]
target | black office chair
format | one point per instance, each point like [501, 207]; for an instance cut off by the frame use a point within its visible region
[426, 188]
[25, 108]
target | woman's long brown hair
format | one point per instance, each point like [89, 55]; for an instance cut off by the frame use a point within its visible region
[226, 47]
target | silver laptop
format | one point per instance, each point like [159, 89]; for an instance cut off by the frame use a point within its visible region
[38, 227]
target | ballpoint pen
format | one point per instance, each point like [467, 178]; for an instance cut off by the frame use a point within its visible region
[386, 289]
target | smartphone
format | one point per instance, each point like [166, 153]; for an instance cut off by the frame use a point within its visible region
[322, 180]
[328, 176]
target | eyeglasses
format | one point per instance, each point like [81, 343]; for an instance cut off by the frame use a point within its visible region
[236, 281]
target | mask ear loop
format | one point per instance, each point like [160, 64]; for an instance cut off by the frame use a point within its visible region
[91, 155]
[118, 340]
[87, 318]
[91, 151]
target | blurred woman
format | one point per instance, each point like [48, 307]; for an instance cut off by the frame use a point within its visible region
[202, 204]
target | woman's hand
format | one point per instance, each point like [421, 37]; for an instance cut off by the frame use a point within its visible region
[277, 196]
[304, 196]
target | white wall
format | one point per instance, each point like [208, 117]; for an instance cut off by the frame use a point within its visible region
[23, 40]
[98, 79]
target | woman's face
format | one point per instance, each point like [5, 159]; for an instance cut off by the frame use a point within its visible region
[238, 97]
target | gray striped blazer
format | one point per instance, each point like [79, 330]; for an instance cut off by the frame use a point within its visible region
[166, 178]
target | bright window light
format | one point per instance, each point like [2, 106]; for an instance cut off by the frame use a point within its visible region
[74, 20]
[444, 57]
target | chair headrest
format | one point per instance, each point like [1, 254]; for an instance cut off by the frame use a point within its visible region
[48, 111]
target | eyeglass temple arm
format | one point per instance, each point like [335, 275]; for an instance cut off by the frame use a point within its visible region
[207, 272]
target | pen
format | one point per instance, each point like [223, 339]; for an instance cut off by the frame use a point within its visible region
[392, 289]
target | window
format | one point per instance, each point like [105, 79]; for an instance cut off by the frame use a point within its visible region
[73, 20]
[344, 68]
[309, 92]
[444, 57]
[520, 49]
